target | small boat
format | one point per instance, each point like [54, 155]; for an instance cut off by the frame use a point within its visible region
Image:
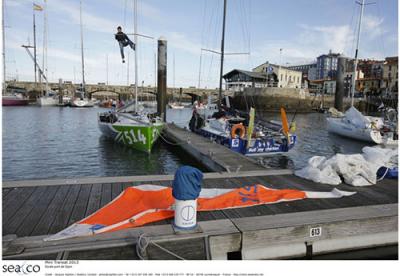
[81, 102]
[14, 100]
[135, 130]
[355, 125]
[176, 105]
[244, 137]
[15, 96]
[48, 100]
[352, 124]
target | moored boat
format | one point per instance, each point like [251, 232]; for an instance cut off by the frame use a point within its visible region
[14, 100]
[137, 131]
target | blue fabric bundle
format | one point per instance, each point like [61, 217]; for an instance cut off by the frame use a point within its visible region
[187, 183]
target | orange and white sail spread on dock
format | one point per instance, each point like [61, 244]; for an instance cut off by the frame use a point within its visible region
[140, 205]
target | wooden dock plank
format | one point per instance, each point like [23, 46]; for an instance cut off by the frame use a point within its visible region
[79, 209]
[5, 191]
[50, 215]
[14, 201]
[19, 217]
[94, 197]
[105, 194]
[63, 216]
[37, 212]
[213, 155]
[116, 189]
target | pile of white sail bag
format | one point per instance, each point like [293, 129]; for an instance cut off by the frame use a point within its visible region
[354, 169]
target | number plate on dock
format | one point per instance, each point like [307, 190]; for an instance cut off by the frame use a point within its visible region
[315, 232]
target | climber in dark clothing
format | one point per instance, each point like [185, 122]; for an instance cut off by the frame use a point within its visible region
[123, 41]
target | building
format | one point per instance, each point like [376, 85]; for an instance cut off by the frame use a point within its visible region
[327, 66]
[348, 77]
[390, 75]
[308, 71]
[371, 68]
[236, 80]
[284, 77]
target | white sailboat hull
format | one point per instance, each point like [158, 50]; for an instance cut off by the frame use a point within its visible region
[82, 103]
[47, 101]
[341, 127]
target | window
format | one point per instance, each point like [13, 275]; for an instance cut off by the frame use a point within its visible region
[290, 78]
[281, 77]
[390, 67]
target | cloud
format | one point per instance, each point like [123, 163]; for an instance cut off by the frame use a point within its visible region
[372, 27]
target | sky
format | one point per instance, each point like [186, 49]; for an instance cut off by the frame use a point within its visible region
[258, 29]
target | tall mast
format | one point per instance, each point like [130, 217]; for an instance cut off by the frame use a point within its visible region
[136, 48]
[34, 43]
[222, 58]
[44, 65]
[4, 50]
[82, 57]
[353, 86]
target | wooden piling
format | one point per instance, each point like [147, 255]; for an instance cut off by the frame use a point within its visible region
[340, 83]
[162, 77]
[60, 92]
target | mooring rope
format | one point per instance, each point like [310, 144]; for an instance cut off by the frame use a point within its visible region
[168, 142]
[142, 244]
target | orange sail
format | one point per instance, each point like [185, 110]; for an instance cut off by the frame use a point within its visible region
[140, 205]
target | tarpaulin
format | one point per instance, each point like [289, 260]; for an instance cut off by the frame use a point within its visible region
[187, 183]
[139, 205]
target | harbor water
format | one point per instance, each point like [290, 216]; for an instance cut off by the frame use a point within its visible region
[55, 142]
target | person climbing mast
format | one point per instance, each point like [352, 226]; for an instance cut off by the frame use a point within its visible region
[123, 41]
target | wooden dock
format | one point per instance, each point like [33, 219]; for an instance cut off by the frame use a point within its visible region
[212, 155]
[310, 228]
[32, 211]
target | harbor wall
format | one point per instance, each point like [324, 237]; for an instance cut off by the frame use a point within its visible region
[292, 99]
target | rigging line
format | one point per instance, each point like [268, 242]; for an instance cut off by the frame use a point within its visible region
[351, 26]
[211, 23]
[382, 39]
[355, 34]
[204, 22]
[240, 19]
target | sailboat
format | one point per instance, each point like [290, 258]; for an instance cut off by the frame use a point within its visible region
[240, 133]
[49, 98]
[352, 123]
[135, 129]
[80, 99]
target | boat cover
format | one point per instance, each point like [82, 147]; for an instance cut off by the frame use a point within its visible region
[139, 205]
[355, 169]
[187, 183]
[356, 118]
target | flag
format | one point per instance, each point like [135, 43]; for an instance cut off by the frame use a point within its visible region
[37, 7]
[143, 204]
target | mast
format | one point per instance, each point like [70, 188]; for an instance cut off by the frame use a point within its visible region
[82, 57]
[353, 86]
[222, 57]
[136, 47]
[4, 51]
[34, 43]
[44, 61]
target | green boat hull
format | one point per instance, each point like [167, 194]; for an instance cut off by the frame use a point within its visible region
[134, 136]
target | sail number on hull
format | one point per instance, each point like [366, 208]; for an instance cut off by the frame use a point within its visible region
[129, 137]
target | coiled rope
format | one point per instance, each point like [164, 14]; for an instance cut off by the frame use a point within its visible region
[142, 244]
